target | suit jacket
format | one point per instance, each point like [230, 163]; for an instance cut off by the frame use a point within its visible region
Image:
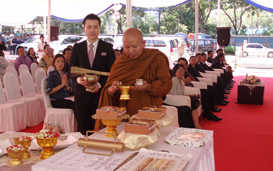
[54, 79]
[210, 60]
[206, 67]
[194, 72]
[217, 64]
[199, 67]
[104, 58]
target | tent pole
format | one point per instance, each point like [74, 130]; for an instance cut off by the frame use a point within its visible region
[129, 13]
[49, 21]
[218, 11]
[45, 26]
[196, 26]
[159, 13]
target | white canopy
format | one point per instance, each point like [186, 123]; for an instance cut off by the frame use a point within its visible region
[18, 12]
[266, 5]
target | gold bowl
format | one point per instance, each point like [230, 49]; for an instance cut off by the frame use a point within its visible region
[26, 144]
[111, 127]
[47, 145]
[16, 157]
[111, 124]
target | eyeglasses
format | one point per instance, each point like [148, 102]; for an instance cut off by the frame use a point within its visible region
[181, 70]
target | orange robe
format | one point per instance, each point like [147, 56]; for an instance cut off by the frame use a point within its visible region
[153, 67]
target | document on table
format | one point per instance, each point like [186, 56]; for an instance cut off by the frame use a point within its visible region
[77, 160]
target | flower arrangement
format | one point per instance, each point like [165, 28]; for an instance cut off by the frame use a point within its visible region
[16, 148]
[47, 134]
[23, 138]
[252, 79]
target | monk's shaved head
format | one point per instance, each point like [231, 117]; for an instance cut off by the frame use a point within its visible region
[133, 32]
[133, 43]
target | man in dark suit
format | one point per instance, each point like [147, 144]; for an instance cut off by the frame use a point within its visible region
[210, 56]
[92, 54]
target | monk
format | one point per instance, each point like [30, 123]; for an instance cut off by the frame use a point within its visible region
[136, 62]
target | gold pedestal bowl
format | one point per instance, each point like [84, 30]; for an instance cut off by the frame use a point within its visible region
[125, 92]
[16, 157]
[111, 124]
[26, 144]
[47, 145]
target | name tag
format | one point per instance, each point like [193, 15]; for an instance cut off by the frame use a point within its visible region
[103, 53]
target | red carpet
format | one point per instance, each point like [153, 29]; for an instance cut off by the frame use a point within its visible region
[243, 140]
[33, 129]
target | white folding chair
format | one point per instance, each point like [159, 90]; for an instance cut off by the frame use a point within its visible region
[23, 67]
[39, 76]
[28, 88]
[12, 70]
[34, 66]
[12, 114]
[35, 113]
[50, 68]
[64, 118]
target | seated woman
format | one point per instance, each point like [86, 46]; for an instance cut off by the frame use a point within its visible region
[178, 89]
[58, 85]
[31, 55]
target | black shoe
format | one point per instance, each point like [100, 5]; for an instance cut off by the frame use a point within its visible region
[213, 117]
[227, 88]
[232, 81]
[225, 101]
[216, 109]
[231, 84]
[222, 103]
[226, 91]
[225, 97]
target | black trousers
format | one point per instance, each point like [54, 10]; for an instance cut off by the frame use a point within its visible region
[84, 116]
[63, 103]
[184, 116]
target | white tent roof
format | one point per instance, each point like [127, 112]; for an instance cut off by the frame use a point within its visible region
[266, 5]
[18, 12]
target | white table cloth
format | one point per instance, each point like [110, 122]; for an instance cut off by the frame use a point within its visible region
[202, 157]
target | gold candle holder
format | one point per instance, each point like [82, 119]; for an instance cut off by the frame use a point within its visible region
[47, 145]
[26, 144]
[16, 157]
[125, 95]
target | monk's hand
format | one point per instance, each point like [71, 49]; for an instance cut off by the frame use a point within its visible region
[144, 87]
[114, 87]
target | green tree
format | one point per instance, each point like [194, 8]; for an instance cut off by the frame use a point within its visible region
[237, 10]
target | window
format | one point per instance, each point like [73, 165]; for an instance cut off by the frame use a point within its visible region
[258, 46]
[201, 42]
[149, 43]
[159, 43]
[173, 44]
[250, 46]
